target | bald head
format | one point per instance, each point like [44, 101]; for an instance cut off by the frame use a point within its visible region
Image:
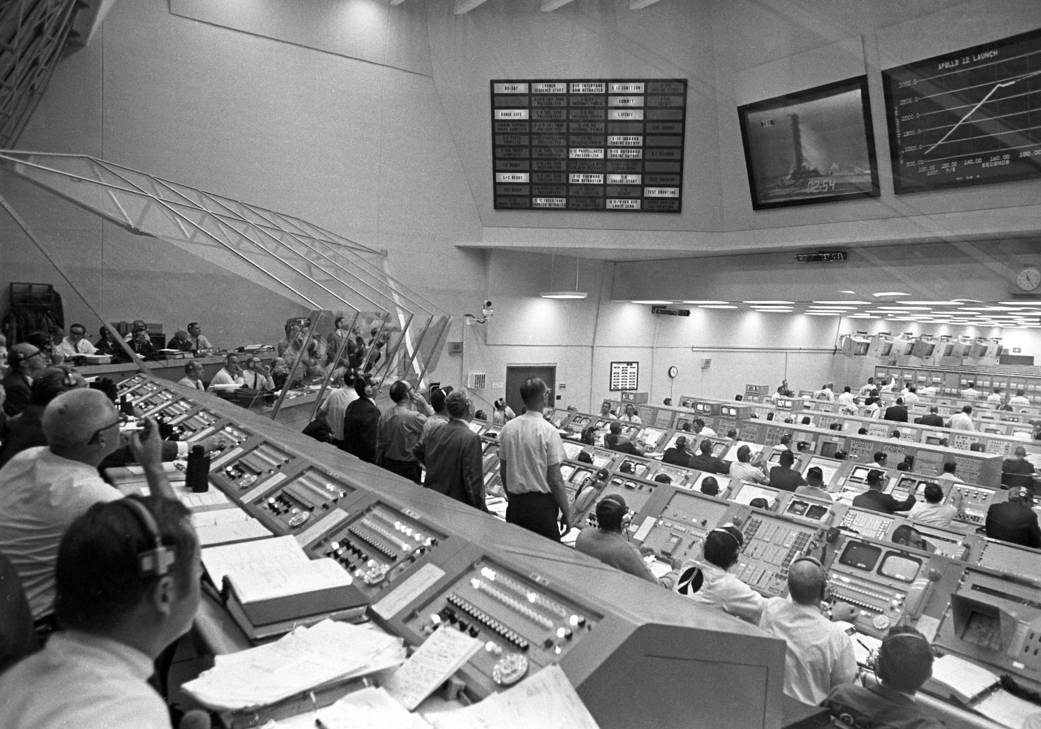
[805, 582]
[74, 417]
[1020, 452]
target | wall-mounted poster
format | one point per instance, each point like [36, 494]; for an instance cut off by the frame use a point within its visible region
[810, 146]
[624, 376]
[614, 145]
[969, 117]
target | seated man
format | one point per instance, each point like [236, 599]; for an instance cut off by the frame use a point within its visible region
[43, 489]
[875, 500]
[905, 662]
[127, 586]
[783, 476]
[192, 375]
[1017, 471]
[607, 542]
[615, 442]
[820, 655]
[814, 485]
[24, 362]
[678, 455]
[1014, 521]
[200, 344]
[709, 580]
[933, 511]
[229, 376]
[707, 462]
[180, 342]
[141, 345]
[76, 342]
[745, 469]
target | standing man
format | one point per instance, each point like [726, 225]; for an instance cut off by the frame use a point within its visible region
[76, 342]
[128, 584]
[819, 655]
[43, 489]
[897, 412]
[400, 427]
[200, 344]
[530, 454]
[452, 455]
[24, 362]
[334, 407]
[1017, 471]
[963, 420]
[361, 421]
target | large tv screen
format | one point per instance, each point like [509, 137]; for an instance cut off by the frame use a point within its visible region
[810, 146]
[968, 117]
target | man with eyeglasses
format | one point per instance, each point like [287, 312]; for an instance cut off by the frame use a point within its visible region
[25, 361]
[43, 489]
[76, 342]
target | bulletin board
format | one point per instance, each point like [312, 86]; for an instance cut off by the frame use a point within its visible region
[624, 376]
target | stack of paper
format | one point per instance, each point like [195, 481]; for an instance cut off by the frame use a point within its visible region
[306, 659]
[441, 655]
[368, 708]
[546, 700]
[965, 679]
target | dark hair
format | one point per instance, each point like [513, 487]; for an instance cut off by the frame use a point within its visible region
[437, 399]
[949, 466]
[399, 391]
[192, 324]
[815, 473]
[50, 383]
[861, 431]
[787, 458]
[880, 456]
[480, 415]
[710, 486]
[616, 428]
[663, 478]
[584, 457]
[531, 390]
[336, 323]
[759, 503]
[905, 660]
[722, 545]
[98, 573]
[360, 383]
[746, 452]
[874, 477]
[705, 447]
[933, 493]
[610, 511]
[588, 435]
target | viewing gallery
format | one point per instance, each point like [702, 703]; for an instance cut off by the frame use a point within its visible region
[563, 363]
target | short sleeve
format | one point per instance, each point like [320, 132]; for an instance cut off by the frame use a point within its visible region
[554, 447]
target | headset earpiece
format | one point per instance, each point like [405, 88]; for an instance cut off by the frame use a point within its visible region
[157, 560]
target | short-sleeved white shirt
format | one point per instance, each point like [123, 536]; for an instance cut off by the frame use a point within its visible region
[529, 445]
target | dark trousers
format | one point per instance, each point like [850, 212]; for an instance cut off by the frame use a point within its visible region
[535, 512]
[409, 469]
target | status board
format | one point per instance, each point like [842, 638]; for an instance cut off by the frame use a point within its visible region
[612, 145]
[968, 117]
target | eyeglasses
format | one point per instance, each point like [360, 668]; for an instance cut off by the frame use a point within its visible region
[93, 436]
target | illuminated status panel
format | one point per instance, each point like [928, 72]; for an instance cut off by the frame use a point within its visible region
[195, 426]
[877, 581]
[127, 386]
[523, 623]
[589, 144]
[867, 523]
[975, 502]
[968, 117]
[679, 530]
[1011, 559]
[377, 545]
[149, 404]
[635, 493]
[298, 501]
[238, 472]
[771, 544]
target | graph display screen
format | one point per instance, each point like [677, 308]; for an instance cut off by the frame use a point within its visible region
[966, 118]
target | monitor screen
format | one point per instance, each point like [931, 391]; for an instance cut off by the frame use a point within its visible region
[859, 473]
[885, 350]
[775, 458]
[983, 629]
[748, 492]
[806, 509]
[566, 471]
[601, 461]
[860, 555]
[475, 425]
[571, 450]
[828, 469]
[899, 567]
[829, 448]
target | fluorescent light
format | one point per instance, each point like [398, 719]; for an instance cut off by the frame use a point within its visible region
[903, 308]
[717, 306]
[769, 302]
[824, 313]
[842, 301]
[563, 294]
[930, 303]
[880, 294]
[704, 301]
[640, 4]
[396, 2]
[847, 291]
[771, 308]
[831, 307]
[548, 6]
[652, 302]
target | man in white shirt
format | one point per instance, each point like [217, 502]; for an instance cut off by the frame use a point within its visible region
[963, 420]
[229, 376]
[970, 392]
[825, 393]
[200, 344]
[76, 342]
[192, 376]
[1019, 400]
[630, 415]
[933, 511]
[743, 470]
[43, 489]
[530, 454]
[699, 428]
[819, 655]
[846, 399]
[929, 390]
[949, 467]
[128, 584]
[910, 395]
[995, 397]
[335, 406]
[814, 485]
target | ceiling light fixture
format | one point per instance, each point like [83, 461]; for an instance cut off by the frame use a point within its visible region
[718, 306]
[652, 302]
[564, 294]
[841, 301]
[768, 302]
[882, 294]
[704, 301]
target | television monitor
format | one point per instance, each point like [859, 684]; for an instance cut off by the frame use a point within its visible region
[923, 349]
[828, 468]
[860, 349]
[829, 448]
[566, 470]
[747, 492]
[860, 555]
[900, 566]
[885, 349]
[948, 350]
[601, 461]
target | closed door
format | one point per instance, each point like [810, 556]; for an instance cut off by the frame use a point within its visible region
[517, 374]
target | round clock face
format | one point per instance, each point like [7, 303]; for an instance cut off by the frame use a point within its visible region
[673, 371]
[1029, 279]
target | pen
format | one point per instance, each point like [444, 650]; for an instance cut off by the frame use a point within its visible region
[319, 725]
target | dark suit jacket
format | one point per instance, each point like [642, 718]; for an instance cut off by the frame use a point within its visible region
[931, 419]
[709, 464]
[17, 388]
[360, 424]
[1013, 522]
[452, 456]
[896, 412]
[878, 501]
[786, 479]
[677, 457]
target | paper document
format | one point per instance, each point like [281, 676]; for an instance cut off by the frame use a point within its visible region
[442, 654]
[308, 658]
[193, 500]
[258, 554]
[368, 708]
[1005, 708]
[274, 581]
[967, 680]
[234, 531]
[546, 700]
[216, 517]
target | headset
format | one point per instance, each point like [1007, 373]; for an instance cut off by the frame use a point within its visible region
[157, 560]
[826, 591]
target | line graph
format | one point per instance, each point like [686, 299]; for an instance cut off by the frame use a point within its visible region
[968, 117]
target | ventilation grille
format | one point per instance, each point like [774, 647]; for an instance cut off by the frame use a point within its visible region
[476, 380]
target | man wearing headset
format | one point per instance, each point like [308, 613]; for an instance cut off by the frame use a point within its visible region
[820, 654]
[710, 582]
[127, 586]
[904, 663]
[607, 542]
